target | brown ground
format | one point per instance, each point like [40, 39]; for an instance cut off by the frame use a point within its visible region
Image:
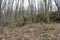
[32, 31]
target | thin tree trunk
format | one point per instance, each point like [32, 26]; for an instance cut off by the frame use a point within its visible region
[46, 10]
[57, 6]
[1, 25]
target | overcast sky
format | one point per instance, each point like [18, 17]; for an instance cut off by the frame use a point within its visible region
[54, 7]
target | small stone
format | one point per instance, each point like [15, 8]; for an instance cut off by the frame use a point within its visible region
[58, 34]
[3, 39]
[52, 35]
[50, 38]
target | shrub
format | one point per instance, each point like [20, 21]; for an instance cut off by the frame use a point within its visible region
[19, 22]
[55, 17]
[39, 18]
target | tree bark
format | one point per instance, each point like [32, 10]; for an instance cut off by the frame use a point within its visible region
[1, 26]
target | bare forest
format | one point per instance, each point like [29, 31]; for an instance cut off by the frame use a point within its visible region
[29, 19]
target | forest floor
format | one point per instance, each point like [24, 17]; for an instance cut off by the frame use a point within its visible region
[32, 31]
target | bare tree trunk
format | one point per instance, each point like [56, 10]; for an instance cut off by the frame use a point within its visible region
[12, 16]
[46, 10]
[29, 1]
[58, 9]
[1, 25]
[57, 6]
[30, 9]
[16, 11]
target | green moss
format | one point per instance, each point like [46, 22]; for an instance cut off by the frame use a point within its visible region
[52, 28]
[46, 29]
[49, 29]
